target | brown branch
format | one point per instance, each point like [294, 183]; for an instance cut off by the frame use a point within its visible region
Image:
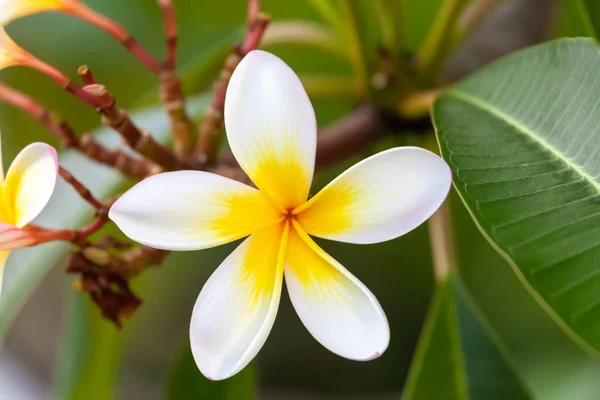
[139, 140]
[118, 32]
[173, 99]
[168, 11]
[60, 78]
[86, 75]
[135, 168]
[210, 132]
[82, 190]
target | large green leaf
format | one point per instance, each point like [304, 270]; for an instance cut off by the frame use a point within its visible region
[26, 268]
[187, 383]
[458, 356]
[522, 139]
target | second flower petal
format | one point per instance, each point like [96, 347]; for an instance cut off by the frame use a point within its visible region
[337, 309]
[271, 128]
[238, 304]
[380, 198]
[191, 210]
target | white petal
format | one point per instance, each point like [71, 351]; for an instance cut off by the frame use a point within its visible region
[191, 210]
[337, 309]
[271, 127]
[29, 183]
[238, 304]
[380, 198]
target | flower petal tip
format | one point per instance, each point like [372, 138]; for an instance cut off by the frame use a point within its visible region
[374, 356]
[54, 156]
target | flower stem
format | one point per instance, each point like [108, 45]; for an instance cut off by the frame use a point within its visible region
[439, 40]
[118, 32]
[135, 168]
[210, 131]
[82, 190]
[442, 242]
[140, 141]
[170, 22]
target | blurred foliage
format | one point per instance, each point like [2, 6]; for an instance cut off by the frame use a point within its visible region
[185, 385]
[135, 362]
[458, 356]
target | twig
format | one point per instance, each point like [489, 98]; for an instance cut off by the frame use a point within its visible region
[62, 79]
[439, 41]
[173, 99]
[82, 190]
[171, 93]
[210, 132]
[170, 22]
[129, 264]
[442, 246]
[135, 168]
[86, 75]
[140, 141]
[80, 10]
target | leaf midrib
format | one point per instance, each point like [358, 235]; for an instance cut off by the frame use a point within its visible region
[490, 108]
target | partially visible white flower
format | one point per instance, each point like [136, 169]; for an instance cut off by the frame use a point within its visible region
[24, 192]
[271, 129]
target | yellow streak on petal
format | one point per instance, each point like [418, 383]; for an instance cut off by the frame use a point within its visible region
[315, 269]
[332, 210]
[263, 265]
[229, 215]
[278, 170]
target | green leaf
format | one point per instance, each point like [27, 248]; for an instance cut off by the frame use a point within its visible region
[89, 352]
[579, 18]
[27, 267]
[589, 12]
[458, 356]
[521, 137]
[188, 383]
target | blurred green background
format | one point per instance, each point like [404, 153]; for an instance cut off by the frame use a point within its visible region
[70, 352]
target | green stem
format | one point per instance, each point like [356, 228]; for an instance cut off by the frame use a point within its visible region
[439, 40]
[391, 25]
[357, 55]
[326, 11]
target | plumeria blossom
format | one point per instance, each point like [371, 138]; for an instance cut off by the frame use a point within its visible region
[10, 53]
[14, 9]
[24, 192]
[272, 131]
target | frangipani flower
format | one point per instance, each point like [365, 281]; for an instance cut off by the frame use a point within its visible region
[10, 53]
[14, 9]
[272, 130]
[24, 192]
